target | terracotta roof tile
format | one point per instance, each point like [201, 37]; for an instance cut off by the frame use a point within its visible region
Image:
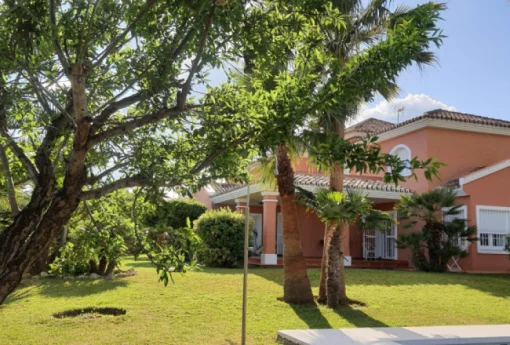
[370, 125]
[220, 188]
[354, 183]
[441, 114]
[319, 181]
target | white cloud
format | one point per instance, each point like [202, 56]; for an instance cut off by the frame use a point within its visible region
[413, 104]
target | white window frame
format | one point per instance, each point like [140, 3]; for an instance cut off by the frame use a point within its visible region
[463, 243]
[407, 171]
[490, 249]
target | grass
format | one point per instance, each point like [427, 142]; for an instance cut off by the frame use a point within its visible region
[205, 307]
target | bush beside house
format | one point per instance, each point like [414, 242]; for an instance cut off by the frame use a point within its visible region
[174, 213]
[222, 234]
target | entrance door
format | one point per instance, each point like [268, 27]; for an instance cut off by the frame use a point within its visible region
[279, 234]
[257, 231]
[381, 243]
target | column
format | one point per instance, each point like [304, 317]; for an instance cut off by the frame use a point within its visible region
[240, 205]
[346, 245]
[269, 201]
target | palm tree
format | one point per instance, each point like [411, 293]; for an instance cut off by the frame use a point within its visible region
[366, 24]
[337, 210]
[296, 287]
[276, 168]
[439, 236]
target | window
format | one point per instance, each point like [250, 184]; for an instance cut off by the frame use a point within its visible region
[493, 228]
[404, 153]
[462, 242]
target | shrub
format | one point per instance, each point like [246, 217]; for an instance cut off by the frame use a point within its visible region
[442, 233]
[222, 233]
[174, 213]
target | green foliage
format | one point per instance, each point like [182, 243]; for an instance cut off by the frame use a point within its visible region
[172, 250]
[100, 232]
[350, 207]
[89, 251]
[507, 246]
[442, 232]
[174, 213]
[365, 156]
[222, 233]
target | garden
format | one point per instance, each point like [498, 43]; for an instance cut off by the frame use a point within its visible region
[204, 306]
[109, 125]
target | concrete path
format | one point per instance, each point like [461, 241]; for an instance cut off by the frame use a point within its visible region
[441, 335]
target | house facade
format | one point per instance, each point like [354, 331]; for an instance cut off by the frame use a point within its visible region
[476, 150]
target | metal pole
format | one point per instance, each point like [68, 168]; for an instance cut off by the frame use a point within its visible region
[245, 273]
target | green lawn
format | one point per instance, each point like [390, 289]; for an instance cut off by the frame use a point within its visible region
[205, 307]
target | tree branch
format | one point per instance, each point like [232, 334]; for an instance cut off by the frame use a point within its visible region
[114, 107]
[93, 179]
[113, 46]
[207, 161]
[137, 123]
[20, 154]
[134, 181]
[181, 99]
[56, 43]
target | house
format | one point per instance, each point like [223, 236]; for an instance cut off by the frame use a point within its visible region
[476, 150]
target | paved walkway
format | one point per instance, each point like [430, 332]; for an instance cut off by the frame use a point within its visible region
[441, 335]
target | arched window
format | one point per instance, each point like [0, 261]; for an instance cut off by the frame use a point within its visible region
[404, 153]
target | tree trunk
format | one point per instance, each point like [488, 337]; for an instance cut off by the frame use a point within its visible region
[336, 183]
[296, 285]
[21, 255]
[323, 296]
[435, 232]
[93, 267]
[9, 183]
[336, 292]
[109, 269]
[103, 262]
[35, 227]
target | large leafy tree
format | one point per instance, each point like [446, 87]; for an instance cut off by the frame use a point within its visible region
[95, 96]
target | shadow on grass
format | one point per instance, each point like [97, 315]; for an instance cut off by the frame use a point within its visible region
[18, 295]
[358, 317]
[311, 315]
[79, 288]
[497, 285]
[314, 319]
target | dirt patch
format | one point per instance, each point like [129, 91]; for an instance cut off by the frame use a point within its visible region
[90, 313]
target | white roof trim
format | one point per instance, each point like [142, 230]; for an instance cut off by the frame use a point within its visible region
[238, 193]
[442, 123]
[375, 194]
[484, 172]
[256, 188]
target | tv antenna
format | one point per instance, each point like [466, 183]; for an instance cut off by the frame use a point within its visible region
[400, 112]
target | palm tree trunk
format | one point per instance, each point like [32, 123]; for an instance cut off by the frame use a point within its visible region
[336, 183]
[296, 284]
[323, 296]
[336, 291]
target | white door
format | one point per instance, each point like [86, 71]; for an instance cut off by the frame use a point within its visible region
[381, 244]
[390, 239]
[279, 234]
[257, 231]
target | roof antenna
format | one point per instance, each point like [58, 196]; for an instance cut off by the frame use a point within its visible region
[400, 111]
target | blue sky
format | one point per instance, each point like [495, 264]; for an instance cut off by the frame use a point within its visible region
[473, 73]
